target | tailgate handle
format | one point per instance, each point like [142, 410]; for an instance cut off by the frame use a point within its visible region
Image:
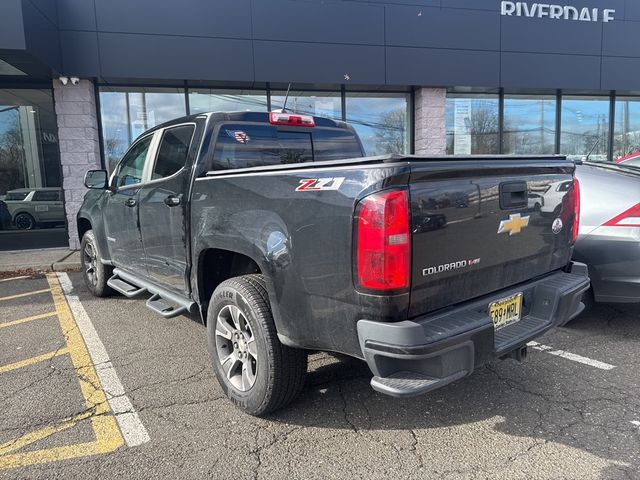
[513, 195]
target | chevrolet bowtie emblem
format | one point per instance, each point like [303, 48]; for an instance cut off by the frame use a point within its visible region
[514, 225]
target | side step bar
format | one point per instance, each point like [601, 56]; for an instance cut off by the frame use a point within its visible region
[163, 302]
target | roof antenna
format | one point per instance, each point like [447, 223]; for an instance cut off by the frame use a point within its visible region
[286, 97]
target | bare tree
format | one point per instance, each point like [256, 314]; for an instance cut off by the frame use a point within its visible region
[11, 160]
[484, 128]
[112, 151]
[390, 134]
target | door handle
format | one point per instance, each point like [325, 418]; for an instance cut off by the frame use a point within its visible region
[513, 194]
[173, 200]
[130, 202]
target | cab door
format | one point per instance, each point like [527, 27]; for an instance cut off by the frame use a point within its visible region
[121, 209]
[163, 208]
[47, 206]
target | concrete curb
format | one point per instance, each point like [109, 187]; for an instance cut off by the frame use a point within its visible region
[68, 262]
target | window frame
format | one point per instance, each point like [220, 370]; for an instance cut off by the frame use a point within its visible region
[568, 97]
[536, 97]
[150, 162]
[342, 93]
[152, 149]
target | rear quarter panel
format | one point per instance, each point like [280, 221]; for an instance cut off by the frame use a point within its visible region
[302, 241]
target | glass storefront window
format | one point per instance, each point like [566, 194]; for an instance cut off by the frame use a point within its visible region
[472, 124]
[207, 100]
[126, 112]
[529, 125]
[381, 120]
[30, 176]
[321, 104]
[626, 130]
[585, 127]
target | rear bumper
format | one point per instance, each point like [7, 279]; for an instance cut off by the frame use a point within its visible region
[416, 356]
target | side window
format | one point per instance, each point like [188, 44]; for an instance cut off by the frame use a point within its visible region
[564, 187]
[132, 165]
[173, 151]
[46, 196]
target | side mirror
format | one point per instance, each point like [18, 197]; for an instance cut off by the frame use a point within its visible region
[96, 179]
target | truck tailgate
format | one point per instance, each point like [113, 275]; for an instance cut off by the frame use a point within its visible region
[481, 225]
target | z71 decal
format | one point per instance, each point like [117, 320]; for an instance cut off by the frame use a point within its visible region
[314, 184]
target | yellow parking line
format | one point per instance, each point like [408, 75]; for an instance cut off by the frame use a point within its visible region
[89, 382]
[41, 434]
[19, 295]
[105, 427]
[30, 361]
[27, 319]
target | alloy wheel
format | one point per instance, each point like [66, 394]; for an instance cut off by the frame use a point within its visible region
[236, 348]
[89, 261]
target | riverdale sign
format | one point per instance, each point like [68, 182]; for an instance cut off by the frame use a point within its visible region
[556, 12]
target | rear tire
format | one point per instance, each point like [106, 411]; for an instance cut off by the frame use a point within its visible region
[24, 221]
[257, 372]
[94, 272]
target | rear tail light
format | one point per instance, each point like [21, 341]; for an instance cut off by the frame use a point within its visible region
[628, 218]
[574, 203]
[281, 118]
[383, 250]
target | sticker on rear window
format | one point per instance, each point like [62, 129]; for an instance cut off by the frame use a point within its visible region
[239, 136]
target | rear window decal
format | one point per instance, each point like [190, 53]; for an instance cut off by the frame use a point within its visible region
[239, 136]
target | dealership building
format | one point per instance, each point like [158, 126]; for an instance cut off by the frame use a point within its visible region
[81, 79]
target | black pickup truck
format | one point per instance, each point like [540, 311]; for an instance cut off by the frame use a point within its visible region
[284, 238]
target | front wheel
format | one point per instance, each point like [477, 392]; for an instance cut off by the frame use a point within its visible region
[95, 272]
[256, 371]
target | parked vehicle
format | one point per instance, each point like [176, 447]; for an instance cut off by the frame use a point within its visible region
[553, 195]
[630, 160]
[284, 239]
[609, 236]
[535, 201]
[35, 207]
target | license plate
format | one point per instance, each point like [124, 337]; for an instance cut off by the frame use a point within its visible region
[506, 310]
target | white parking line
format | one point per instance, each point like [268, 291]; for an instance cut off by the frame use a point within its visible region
[571, 356]
[133, 430]
[14, 278]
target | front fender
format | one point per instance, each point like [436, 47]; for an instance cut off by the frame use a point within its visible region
[91, 211]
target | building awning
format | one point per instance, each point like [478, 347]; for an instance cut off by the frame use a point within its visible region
[29, 44]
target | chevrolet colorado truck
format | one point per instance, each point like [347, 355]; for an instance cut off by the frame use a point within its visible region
[276, 231]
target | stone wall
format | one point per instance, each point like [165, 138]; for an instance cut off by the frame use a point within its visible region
[79, 144]
[430, 131]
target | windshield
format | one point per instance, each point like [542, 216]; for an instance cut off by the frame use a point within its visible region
[243, 145]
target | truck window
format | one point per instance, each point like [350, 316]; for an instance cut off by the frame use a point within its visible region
[173, 151]
[132, 165]
[46, 196]
[246, 145]
[335, 145]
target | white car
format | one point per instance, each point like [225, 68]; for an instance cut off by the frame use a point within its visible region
[552, 197]
[33, 207]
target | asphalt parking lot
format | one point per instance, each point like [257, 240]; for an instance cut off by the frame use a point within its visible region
[103, 388]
